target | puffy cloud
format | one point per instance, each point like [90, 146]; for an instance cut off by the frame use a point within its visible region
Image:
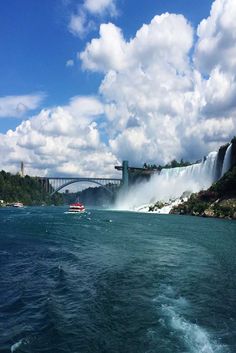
[216, 44]
[213, 130]
[18, 106]
[220, 93]
[81, 23]
[107, 52]
[144, 86]
[70, 63]
[60, 141]
[158, 43]
[85, 107]
[100, 6]
[160, 105]
[215, 56]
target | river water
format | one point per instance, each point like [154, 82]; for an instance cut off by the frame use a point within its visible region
[109, 282]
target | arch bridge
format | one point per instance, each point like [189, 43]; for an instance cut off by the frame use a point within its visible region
[55, 184]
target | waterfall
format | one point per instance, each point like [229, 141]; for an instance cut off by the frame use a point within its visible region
[203, 173]
[170, 184]
[227, 160]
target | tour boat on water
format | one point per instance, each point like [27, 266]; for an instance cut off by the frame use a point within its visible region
[76, 207]
[18, 204]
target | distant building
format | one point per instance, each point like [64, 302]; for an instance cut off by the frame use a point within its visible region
[22, 171]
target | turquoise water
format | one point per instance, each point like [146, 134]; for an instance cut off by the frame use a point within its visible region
[116, 282]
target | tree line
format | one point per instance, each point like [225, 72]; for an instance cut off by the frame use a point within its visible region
[28, 190]
[173, 164]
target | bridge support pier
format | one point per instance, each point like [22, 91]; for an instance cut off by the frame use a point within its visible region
[125, 175]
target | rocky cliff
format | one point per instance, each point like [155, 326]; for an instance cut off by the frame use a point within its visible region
[218, 201]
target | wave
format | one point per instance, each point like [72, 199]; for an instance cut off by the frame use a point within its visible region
[16, 345]
[173, 311]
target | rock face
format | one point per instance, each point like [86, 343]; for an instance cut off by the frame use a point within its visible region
[221, 155]
[233, 152]
[225, 208]
[220, 160]
[209, 213]
[218, 201]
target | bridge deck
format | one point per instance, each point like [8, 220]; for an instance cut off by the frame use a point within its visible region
[77, 178]
[55, 184]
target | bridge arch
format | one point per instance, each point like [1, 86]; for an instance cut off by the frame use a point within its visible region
[79, 181]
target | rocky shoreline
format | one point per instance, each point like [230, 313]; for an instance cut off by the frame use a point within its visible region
[218, 201]
[221, 208]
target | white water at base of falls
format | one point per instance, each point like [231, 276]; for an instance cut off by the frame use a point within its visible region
[226, 163]
[170, 184]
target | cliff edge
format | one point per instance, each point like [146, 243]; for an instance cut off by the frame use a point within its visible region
[218, 201]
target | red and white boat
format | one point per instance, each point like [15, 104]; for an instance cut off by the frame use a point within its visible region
[76, 207]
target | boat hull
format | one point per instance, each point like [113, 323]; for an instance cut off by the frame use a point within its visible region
[74, 212]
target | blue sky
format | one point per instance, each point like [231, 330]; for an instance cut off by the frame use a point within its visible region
[54, 56]
[35, 45]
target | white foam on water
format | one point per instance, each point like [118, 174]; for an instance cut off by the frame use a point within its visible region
[163, 210]
[16, 345]
[195, 338]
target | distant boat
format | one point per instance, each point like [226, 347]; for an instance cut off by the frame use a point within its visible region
[76, 207]
[18, 204]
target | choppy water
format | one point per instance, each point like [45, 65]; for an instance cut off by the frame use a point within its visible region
[116, 282]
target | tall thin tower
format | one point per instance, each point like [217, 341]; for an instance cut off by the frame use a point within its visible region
[22, 172]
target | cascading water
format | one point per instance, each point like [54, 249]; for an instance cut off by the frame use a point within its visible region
[227, 160]
[171, 183]
[201, 173]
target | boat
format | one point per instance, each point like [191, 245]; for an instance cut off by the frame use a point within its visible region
[18, 204]
[76, 207]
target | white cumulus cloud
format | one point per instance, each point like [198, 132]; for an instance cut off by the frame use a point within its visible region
[215, 57]
[216, 44]
[85, 18]
[163, 95]
[60, 141]
[107, 52]
[18, 106]
[100, 6]
[160, 102]
[79, 24]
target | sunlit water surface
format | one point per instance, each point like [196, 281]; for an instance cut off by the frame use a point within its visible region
[114, 282]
